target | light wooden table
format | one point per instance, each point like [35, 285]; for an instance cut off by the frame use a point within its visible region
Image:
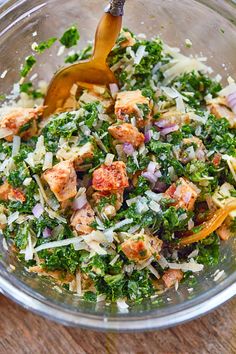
[22, 332]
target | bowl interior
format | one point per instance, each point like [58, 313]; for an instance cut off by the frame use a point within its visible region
[212, 32]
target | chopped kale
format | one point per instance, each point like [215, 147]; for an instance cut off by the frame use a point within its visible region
[81, 55]
[28, 88]
[17, 177]
[110, 200]
[62, 258]
[209, 252]
[132, 165]
[218, 136]
[41, 47]
[21, 238]
[70, 37]
[90, 296]
[29, 63]
[198, 85]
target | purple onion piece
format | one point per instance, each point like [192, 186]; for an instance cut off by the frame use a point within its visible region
[162, 123]
[149, 176]
[79, 202]
[232, 101]
[148, 136]
[47, 232]
[151, 167]
[37, 210]
[160, 187]
[128, 149]
[170, 129]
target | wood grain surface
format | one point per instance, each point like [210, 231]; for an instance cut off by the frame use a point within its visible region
[23, 332]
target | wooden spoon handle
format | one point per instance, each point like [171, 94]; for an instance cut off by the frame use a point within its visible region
[107, 31]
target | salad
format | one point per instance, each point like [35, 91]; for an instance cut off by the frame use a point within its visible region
[128, 190]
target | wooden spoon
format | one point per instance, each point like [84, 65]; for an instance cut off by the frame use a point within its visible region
[93, 71]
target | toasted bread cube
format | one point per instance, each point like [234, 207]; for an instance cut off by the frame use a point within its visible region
[110, 178]
[97, 93]
[22, 122]
[127, 39]
[62, 180]
[7, 192]
[224, 231]
[127, 105]
[127, 133]
[222, 111]
[60, 277]
[184, 192]
[78, 154]
[138, 248]
[172, 116]
[171, 276]
[84, 152]
[82, 218]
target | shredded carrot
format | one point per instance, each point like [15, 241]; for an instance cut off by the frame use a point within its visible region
[210, 226]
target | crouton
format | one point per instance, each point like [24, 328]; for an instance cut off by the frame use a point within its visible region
[84, 152]
[171, 276]
[126, 39]
[172, 116]
[97, 93]
[78, 154]
[138, 248]
[110, 178]
[82, 218]
[127, 133]
[184, 193]
[221, 110]
[62, 180]
[58, 275]
[224, 231]
[22, 122]
[131, 104]
[7, 192]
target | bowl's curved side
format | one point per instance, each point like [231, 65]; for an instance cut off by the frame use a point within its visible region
[150, 321]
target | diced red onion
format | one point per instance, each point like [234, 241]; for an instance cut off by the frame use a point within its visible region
[232, 101]
[158, 174]
[200, 154]
[162, 123]
[79, 202]
[150, 176]
[37, 210]
[47, 232]
[160, 187]
[170, 129]
[128, 149]
[147, 136]
[151, 167]
[114, 89]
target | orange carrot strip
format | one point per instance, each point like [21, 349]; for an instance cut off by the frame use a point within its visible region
[210, 226]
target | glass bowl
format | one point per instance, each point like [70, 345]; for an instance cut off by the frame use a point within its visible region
[210, 25]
